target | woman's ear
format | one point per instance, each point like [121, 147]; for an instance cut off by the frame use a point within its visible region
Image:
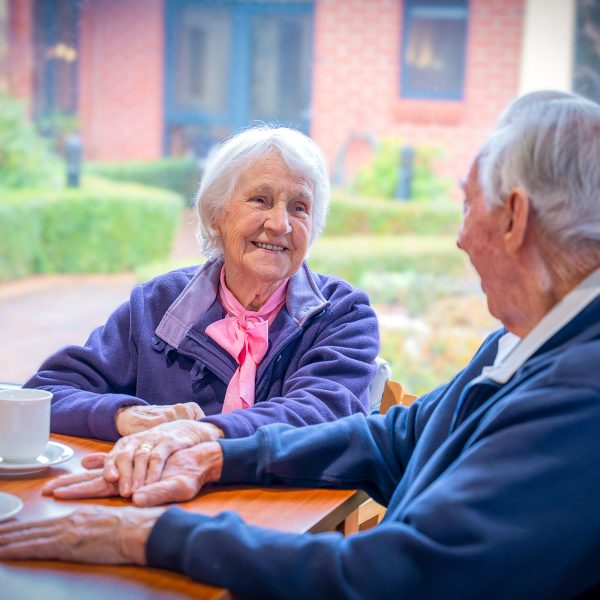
[517, 209]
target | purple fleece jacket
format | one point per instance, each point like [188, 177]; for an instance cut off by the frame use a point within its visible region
[153, 350]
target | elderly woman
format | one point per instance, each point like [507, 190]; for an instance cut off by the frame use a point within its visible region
[251, 337]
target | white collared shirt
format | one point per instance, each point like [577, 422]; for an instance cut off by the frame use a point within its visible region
[514, 352]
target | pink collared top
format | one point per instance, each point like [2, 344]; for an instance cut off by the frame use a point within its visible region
[245, 335]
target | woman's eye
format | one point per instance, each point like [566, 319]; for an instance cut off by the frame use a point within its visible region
[258, 200]
[299, 208]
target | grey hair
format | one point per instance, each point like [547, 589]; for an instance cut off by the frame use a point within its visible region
[232, 158]
[548, 144]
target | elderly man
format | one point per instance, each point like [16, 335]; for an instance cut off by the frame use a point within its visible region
[491, 481]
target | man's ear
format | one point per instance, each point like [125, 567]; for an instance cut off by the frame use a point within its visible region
[516, 222]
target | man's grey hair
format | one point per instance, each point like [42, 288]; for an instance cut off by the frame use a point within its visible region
[228, 162]
[548, 144]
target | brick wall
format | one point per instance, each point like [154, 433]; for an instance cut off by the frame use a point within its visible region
[121, 79]
[357, 74]
[20, 48]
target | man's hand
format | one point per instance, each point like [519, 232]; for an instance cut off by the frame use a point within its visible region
[138, 459]
[134, 419]
[186, 472]
[90, 534]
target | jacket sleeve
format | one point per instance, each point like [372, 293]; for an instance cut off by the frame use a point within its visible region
[91, 383]
[514, 516]
[331, 376]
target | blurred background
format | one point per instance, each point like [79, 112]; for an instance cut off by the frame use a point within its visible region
[109, 107]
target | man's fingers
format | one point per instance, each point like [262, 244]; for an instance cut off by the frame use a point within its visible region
[140, 468]
[69, 479]
[177, 489]
[94, 488]
[29, 549]
[124, 462]
[158, 458]
[9, 528]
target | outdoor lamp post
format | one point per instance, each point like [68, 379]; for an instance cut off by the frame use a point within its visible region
[73, 157]
[405, 173]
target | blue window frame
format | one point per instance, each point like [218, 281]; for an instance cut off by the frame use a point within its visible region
[586, 74]
[56, 51]
[231, 62]
[434, 42]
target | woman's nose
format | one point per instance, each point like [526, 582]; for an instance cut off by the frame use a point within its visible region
[278, 220]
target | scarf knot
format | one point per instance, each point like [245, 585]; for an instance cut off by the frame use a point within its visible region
[244, 334]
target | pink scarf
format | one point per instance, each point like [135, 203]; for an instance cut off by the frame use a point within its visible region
[245, 335]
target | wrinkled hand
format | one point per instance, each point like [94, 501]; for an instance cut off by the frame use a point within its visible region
[185, 473]
[90, 534]
[134, 419]
[138, 459]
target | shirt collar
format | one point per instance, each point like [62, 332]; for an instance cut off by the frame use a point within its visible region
[514, 352]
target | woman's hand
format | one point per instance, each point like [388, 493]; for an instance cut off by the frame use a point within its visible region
[90, 534]
[134, 419]
[185, 473]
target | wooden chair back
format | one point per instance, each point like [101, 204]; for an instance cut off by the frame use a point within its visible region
[393, 394]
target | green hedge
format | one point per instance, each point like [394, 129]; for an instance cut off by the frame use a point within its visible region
[388, 217]
[352, 257]
[19, 235]
[180, 175]
[101, 227]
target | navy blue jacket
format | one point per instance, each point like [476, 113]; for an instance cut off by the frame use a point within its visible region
[492, 491]
[154, 350]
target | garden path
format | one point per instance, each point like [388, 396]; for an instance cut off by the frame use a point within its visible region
[40, 314]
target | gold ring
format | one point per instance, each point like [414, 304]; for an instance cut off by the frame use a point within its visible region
[145, 447]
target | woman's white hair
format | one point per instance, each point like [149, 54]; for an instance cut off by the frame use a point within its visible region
[232, 158]
[548, 144]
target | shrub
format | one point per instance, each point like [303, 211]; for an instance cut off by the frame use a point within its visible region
[349, 215]
[380, 177]
[416, 292]
[430, 350]
[19, 236]
[180, 175]
[352, 257]
[101, 227]
[25, 159]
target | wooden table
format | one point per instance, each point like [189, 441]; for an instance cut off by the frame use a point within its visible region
[300, 511]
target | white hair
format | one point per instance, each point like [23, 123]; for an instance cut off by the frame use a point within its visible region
[232, 158]
[548, 144]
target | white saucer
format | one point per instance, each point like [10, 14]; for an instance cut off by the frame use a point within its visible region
[9, 506]
[54, 454]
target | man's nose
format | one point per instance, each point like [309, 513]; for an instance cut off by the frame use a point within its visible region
[459, 237]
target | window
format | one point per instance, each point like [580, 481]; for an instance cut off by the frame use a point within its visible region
[433, 49]
[230, 62]
[586, 75]
[56, 45]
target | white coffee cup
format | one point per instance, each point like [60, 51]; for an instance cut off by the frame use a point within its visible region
[24, 424]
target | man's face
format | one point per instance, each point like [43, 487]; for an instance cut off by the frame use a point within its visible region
[480, 236]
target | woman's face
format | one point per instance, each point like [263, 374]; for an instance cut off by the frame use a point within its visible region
[265, 226]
